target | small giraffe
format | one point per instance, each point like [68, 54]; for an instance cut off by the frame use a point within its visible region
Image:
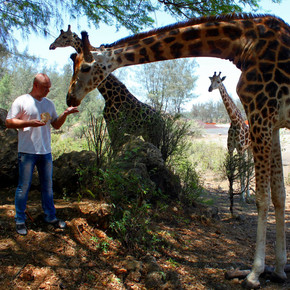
[259, 45]
[122, 111]
[238, 134]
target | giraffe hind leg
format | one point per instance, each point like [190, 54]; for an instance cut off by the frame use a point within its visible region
[278, 199]
[273, 177]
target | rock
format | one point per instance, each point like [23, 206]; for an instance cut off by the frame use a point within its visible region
[172, 281]
[144, 160]
[154, 280]
[131, 264]
[9, 155]
[97, 214]
[134, 276]
[3, 115]
[69, 168]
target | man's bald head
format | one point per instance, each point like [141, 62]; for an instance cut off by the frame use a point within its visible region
[41, 86]
[42, 79]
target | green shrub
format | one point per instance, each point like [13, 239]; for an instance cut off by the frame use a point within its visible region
[130, 218]
[98, 140]
[61, 144]
[131, 225]
[174, 132]
[207, 155]
[192, 189]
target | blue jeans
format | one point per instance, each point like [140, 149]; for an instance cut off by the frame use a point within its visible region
[26, 164]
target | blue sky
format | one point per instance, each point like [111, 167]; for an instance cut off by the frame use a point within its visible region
[39, 46]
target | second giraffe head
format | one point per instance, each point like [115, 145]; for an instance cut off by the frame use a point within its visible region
[216, 81]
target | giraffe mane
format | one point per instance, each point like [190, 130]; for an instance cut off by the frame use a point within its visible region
[193, 21]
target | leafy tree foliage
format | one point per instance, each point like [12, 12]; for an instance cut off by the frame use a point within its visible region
[5, 91]
[34, 15]
[16, 79]
[213, 112]
[169, 84]
[193, 8]
[24, 15]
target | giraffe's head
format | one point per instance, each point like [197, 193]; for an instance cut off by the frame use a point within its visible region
[87, 73]
[66, 38]
[216, 81]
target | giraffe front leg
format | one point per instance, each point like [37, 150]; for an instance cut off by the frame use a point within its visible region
[262, 202]
[278, 199]
[252, 280]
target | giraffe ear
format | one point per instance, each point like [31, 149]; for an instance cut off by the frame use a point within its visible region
[223, 78]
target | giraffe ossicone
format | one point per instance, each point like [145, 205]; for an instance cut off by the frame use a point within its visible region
[259, 45]
[123, 112]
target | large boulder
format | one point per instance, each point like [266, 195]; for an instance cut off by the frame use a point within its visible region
[8, 155]
[3, 114]
[73, 170]
[144, 160]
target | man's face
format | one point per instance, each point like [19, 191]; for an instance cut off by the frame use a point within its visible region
[43, 88]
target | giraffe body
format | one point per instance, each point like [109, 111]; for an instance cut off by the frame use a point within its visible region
[122, 111]
[259, 45]
[238, 134]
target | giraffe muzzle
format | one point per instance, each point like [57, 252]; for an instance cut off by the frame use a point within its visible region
[72, 101]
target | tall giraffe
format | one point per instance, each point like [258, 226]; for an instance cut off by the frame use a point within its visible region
[238, 134]
[259, 45]
[122, 110]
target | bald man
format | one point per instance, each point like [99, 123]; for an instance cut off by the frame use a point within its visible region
[32, 114]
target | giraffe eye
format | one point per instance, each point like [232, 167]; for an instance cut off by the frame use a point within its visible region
[85, 68]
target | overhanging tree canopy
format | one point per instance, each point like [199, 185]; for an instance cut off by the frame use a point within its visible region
[34, 15]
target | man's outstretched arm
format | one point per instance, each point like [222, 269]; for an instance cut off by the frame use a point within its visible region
[62, 117]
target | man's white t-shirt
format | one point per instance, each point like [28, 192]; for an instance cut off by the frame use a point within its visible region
[33, 140]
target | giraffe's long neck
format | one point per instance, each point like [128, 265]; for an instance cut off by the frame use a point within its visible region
[226, 39]
[233, 111]
[76, 43]
[115, 92]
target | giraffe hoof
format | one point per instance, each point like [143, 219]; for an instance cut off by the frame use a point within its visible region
[276, 278]
[250, 285]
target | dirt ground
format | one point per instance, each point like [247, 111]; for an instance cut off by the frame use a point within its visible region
[199, 249]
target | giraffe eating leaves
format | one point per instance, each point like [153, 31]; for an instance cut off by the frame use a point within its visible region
[259, 45]
[123, 112]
